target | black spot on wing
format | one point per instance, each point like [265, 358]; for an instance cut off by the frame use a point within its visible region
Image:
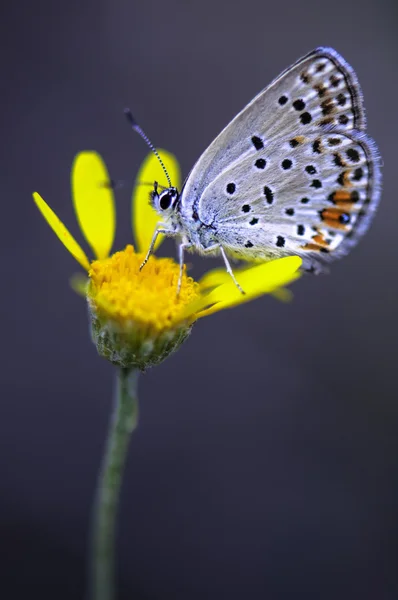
[353, 155]
[260, 163]
[299, 104]
[338, 160]
[286, 164]
[358, 174]
[334, 141]
[305, 118]
[316, 183]
[343, 119]
[316, 147]
[269, 195]
[257, 142]
[341, 99]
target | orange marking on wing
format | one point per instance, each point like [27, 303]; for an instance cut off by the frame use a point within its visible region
[339, 160]
[321, 89]
[331, 217]
[341, 196]
[331, 213]
[310, 246]
[328, 106]
[343, 200]
[326, 121]
[346, 181]
[335, 224]
[319, 239]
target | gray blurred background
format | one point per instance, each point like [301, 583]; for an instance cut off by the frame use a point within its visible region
[266, 461]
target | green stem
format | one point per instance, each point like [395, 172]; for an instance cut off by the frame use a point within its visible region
[124, 421]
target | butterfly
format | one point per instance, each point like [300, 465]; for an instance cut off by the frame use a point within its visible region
[294, 173]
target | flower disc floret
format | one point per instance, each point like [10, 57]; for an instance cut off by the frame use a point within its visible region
[135, 298]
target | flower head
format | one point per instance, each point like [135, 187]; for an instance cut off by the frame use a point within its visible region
[137, 317]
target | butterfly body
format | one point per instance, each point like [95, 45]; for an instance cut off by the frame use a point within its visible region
[293, 173]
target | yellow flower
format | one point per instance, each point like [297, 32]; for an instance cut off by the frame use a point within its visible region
[137, 317]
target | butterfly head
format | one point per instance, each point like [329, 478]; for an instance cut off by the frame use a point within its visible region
[166, 202]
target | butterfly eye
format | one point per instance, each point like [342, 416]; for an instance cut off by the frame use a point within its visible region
[167, 198]
[165, 201]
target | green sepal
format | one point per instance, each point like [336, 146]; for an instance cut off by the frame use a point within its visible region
[134, 346]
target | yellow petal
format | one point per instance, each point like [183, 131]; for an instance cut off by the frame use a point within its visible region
[60, 230]
[218, 276]
[255, 281]
[93, 201]
[145, 218]
[215, 277]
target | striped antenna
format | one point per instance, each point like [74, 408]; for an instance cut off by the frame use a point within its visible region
[141, 132]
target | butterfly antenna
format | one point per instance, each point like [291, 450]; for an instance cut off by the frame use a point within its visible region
[141, 132]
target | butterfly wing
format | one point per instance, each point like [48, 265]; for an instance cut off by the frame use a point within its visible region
[320, 89]
[319, 93]
[309, 195]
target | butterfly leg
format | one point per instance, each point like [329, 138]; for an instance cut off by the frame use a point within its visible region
[153, 242]
[181, 248]
[228, 267]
